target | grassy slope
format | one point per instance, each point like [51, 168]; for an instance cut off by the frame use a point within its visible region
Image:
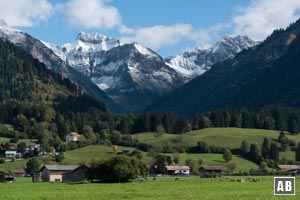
[86, 154]
[4, 139]
[217, 159]
[164, 188]
[222, 137]
[13, 165]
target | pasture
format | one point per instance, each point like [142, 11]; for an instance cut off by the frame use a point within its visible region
[86, 154]
[221, 137]
[164, 188]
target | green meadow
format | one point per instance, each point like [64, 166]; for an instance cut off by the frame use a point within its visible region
[221, 137]
[164, 188]
[86, 154]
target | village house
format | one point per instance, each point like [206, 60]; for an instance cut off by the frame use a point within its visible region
[17, 172]
[12, 154]
[32, 146]
[178, 170]
[211, 172]
[72, 137]
[63, 173]
[10, 146]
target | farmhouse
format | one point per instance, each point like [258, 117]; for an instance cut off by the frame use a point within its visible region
[10, 146]
[63, 173]
[211, 171]
[72, 137]
[17, 172]
[31, 146]
[289, 168]
[12, 154]
[178, 170]
[78, 174]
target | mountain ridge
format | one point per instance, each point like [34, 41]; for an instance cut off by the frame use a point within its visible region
[45, 55]
[227, 82]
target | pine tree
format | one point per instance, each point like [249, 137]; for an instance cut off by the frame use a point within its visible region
[297, 156]
[281, 136]
[293, 126]
[196, 121]
[254, 153]
[166, 123]
[274, 152]
[265, 150]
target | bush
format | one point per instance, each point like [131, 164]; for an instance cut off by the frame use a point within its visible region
[203, 147]
[117, 169]
[2, 177]
[2, 161]
[59, 157]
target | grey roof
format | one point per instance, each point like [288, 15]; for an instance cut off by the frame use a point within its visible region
[211, 167]
[61, 167]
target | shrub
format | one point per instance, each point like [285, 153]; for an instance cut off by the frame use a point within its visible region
[117, 169]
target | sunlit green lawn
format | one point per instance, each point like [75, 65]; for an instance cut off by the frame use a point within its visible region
[164, 188]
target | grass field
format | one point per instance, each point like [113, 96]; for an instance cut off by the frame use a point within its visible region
[164, 188]
[86, 154]
[12, 165]
[221, 137]
[4, 139]
[217, 159]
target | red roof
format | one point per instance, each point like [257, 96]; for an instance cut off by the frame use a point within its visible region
[75, 134]
[211, 168]
[288, 167]
[174, 168]
[17, 171]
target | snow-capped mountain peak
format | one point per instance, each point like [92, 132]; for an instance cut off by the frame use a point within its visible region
[13, 35]
[91, 42]
[197, 61]
[143, 50]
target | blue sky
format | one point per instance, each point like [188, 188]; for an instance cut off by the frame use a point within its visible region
[167, 26]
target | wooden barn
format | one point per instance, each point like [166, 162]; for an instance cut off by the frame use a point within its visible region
[53, 173]
[64, 173]
[78, 174]
[211, 172]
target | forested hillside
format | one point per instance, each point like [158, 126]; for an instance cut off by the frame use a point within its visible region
[35, 99]
[264, 75]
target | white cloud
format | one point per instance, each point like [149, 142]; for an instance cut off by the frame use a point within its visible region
[25, 12]
[158, 36]
[91, 14]
[261, 17]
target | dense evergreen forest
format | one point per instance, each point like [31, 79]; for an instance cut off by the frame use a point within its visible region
[43, 105]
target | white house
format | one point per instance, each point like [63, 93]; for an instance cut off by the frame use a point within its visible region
[72, 137]
[178, 170]
[12, 154]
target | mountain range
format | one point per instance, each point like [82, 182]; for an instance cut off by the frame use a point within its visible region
[40, 51]
[264, 75]
[193, 63]
[130, 74]
[135, 76]
[130, 77]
